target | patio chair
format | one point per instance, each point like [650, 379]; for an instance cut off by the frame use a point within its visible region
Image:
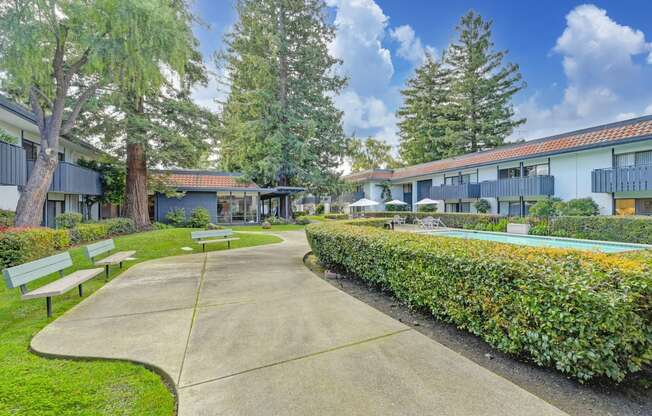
[398, 220]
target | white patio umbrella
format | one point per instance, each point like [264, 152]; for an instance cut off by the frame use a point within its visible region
[395, 202]
[364, 202]
[426, 201]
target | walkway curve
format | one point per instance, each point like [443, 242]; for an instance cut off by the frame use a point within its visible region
[251, 331]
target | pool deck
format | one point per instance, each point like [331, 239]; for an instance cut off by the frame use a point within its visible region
[253, 332]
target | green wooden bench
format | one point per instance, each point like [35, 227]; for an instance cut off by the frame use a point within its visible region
[213, 236]
[20, 276]
[106, 246]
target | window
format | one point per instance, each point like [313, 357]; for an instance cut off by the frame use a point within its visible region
[31, 149]
[633, 159]
[644, 206]
[458, 179]
[458, 207]
[509, 173]
[62, 157]
[625, 207]
[537, 170]
[407, 188]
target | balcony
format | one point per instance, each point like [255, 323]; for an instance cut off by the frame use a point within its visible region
[625, 179]
[350, 197]
[539, 185]
[13, 169]
[460, 191]
[72, 179]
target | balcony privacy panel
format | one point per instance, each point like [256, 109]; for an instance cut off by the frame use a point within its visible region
[13, 169]
[72, 179]
[461, 191]
[538, 185]
[625, 179]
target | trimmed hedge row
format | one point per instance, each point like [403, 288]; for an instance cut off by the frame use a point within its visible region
[586, 314]
[102, 229]
[20, 245]
[451, 219]
[336, 216]
[625, 229]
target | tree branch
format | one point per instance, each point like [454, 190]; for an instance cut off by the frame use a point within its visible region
[77, 65]
[83, 98]
[36, 107]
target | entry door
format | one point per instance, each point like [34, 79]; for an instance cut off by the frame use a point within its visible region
[54, 208]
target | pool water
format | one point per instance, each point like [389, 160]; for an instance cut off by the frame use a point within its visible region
[537, 241]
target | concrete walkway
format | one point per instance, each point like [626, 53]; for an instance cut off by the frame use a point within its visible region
[253, 332]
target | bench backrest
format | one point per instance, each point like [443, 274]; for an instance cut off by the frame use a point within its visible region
[197, 235]
[19, 276]
[95, 249]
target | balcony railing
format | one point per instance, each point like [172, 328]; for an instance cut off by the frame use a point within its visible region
[460, 191]
[13, 169]
[349, 197]
[626, 179]
[538, 185]
[72, 179]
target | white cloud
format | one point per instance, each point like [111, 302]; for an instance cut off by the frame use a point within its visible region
[214, 92]
[604, 81]
[410, 47]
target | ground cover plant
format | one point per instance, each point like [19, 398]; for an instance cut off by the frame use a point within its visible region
[586, 314]
[31, 385]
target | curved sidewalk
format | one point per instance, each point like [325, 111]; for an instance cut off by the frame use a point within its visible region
[253, 332]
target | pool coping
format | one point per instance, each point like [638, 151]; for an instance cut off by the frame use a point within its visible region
[635, 246]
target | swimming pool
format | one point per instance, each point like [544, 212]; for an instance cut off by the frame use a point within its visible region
[540, 241]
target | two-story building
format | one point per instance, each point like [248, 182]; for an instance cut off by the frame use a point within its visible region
[71, 183]
[611, 163]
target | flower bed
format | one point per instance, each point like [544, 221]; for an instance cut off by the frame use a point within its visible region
[586, 314]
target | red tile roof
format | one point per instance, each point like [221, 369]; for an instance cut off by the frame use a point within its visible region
[204, 180]
[577, 140]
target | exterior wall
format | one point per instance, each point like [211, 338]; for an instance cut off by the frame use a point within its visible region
[188, 202]
[9, 197]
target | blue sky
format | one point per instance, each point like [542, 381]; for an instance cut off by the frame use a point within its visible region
[584, 63]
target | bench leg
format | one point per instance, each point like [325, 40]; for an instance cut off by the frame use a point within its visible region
[121, 265]
[203, 247]
[48, 306]
[106, 272]
[228, 243]
[81, 291]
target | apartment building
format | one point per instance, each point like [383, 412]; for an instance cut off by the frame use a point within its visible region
[611, 163]
[71, 183]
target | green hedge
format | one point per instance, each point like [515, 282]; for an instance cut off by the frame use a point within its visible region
[586, 314]
[7, 218]
[336, 216]
[451, 219]
[609, 228]
[20, 245]
[92, 231]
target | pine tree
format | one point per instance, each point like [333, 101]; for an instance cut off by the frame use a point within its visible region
[370, 154]
[481, 114]
[424, 113]
[279, 123]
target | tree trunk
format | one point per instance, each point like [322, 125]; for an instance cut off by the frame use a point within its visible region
[29, 211]
[136, 206]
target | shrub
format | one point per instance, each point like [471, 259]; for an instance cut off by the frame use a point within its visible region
[611, 228]
[89, 232]
[266, 225]
[21, 245]
[119, 226]
[176, 217]
[586, 314]
[319, 209]
[545, 209]
[7, 218]
[160, 226]
[451, 219]
[302, 220]
[211, 226]
[297, 214]
[276, 220]
[581, 206]
[336, 216]
[199, 218]
[68, 220]
[482, 206]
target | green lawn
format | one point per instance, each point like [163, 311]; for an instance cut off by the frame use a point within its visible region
[31, 385]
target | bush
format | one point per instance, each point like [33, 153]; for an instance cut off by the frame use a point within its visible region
[302, 220]
[451, 219]
[581, 206]
[336, 216]
[609, 228]
[211, 226]
[297, 214]
[319, 209]
[545, 209]
[276, 220]
[586, 314]
[7, 218]
[118, 226]
[176, 217]
[266, 225]
[160, 226]
[482, 206]
[89, 232]
[199, 218]
[21, 245]
[68, 220]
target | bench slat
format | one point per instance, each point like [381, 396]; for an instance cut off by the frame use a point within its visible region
[217, 241]
[210, 233]
[61, 286]
[116, 258]
[25, 273]
[95, 249]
